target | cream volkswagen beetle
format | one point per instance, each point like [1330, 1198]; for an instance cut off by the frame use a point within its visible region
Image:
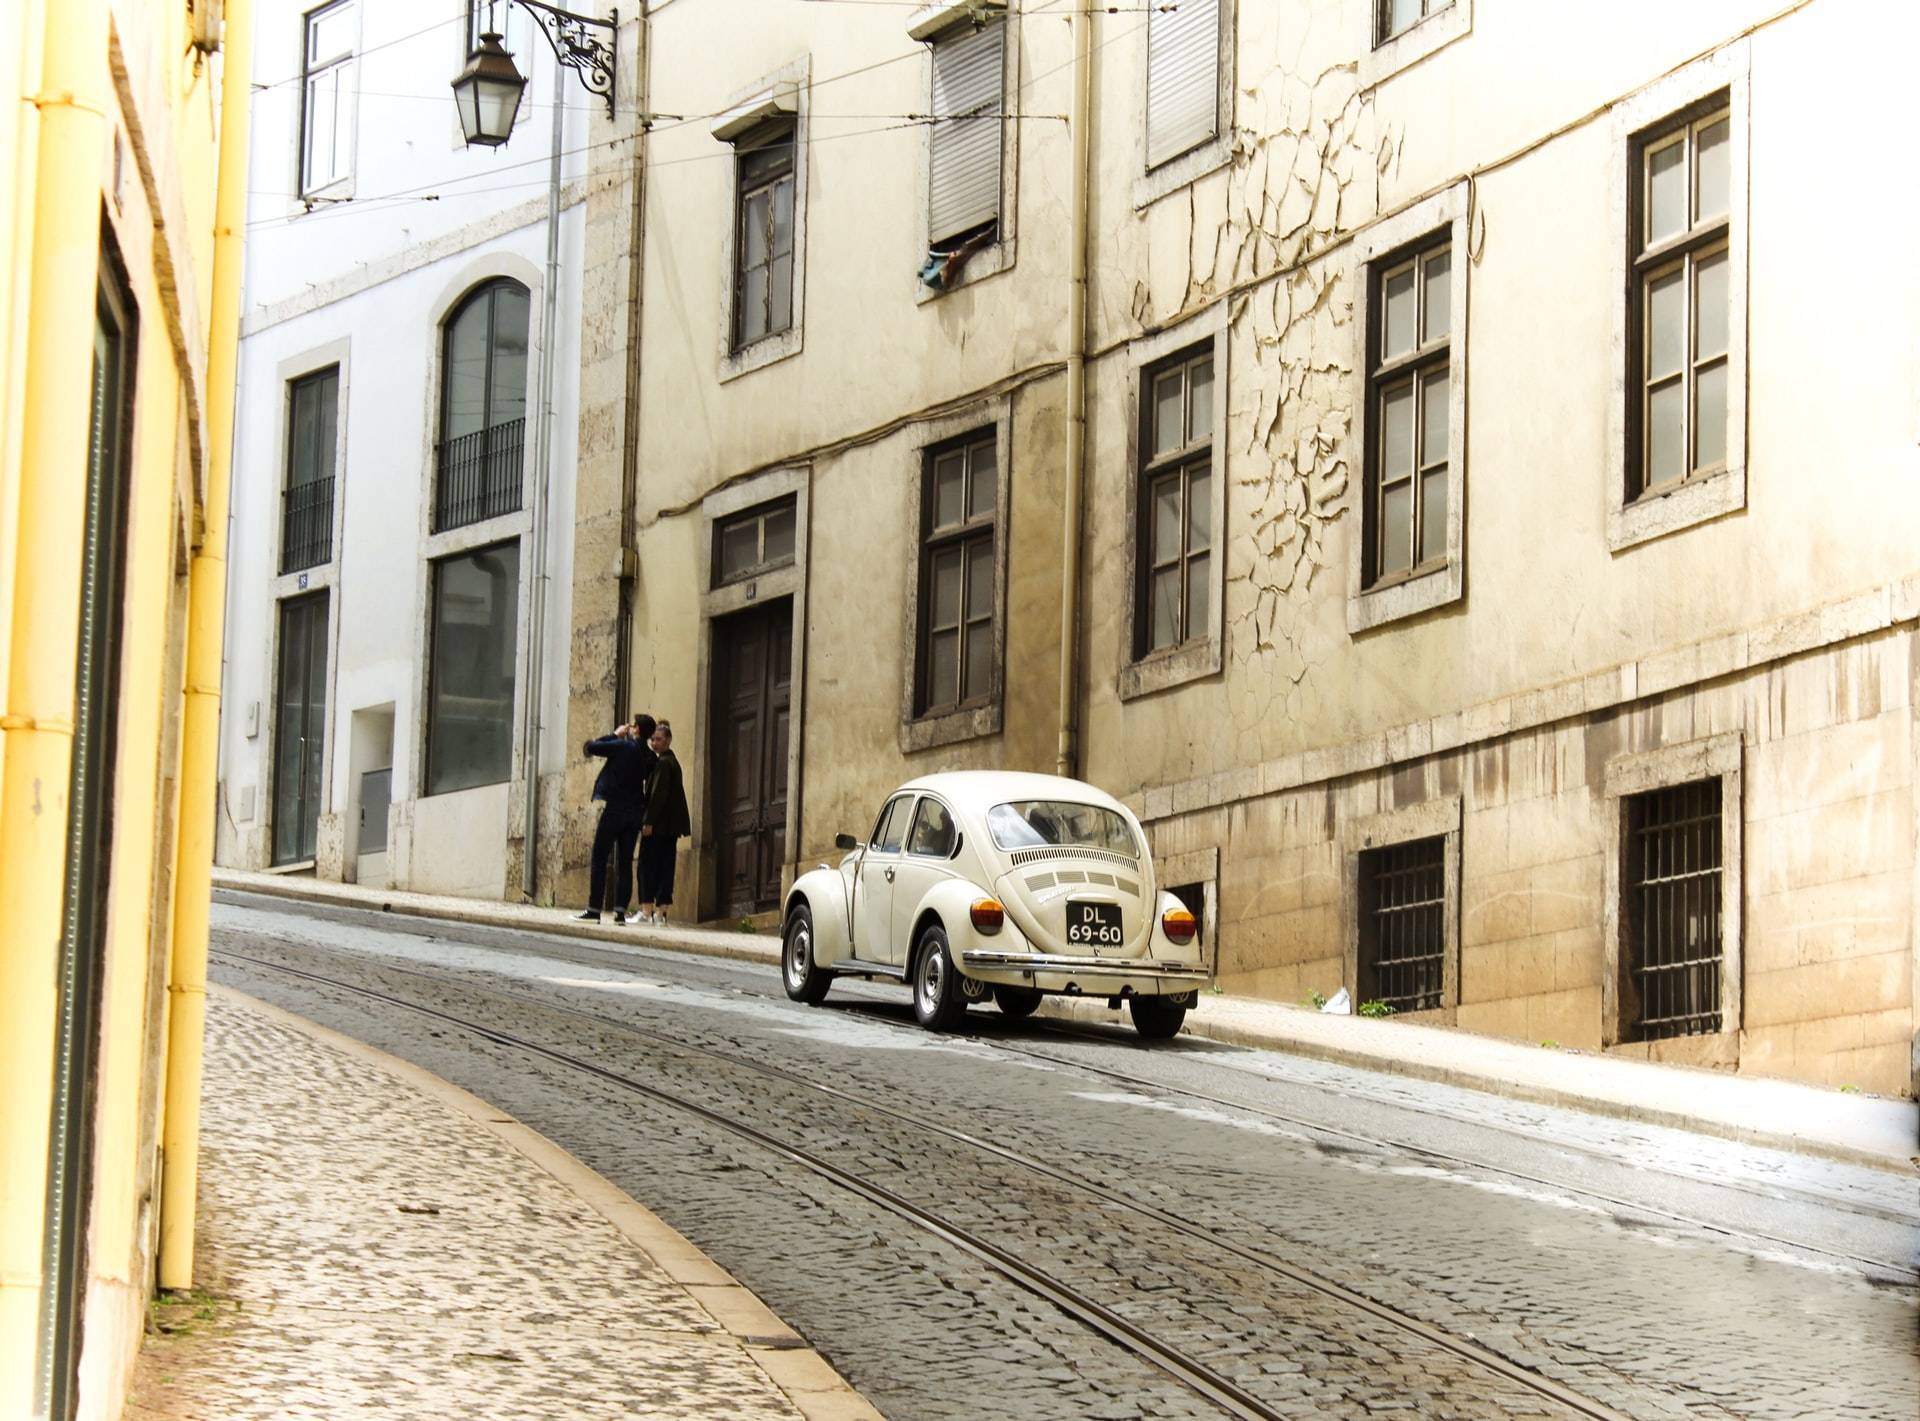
[979, 884]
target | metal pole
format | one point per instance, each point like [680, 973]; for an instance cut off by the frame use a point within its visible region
[542, 473]
[1068, 760]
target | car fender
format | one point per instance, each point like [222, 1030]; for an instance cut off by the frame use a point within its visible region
[824, 892]
[951, 900]
[1164, 948]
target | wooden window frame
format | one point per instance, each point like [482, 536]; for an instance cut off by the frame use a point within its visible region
[774, 133]
[302, 160]
[971, 532]
[1653, 261]
[1191, 459]
[1412, 368]
[759, 515]
[1636, 515]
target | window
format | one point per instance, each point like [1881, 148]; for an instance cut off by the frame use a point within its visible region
[1680, 332]
[1409, 396]
[1058, 823]
[326, 96]
[1672, 986]
[753, 542]
[1176, 521]
[763, 246]
[891, 827]
[483, 407]
[1183, 78]
[964, 139]
[958, 503]
[476, 600]
[932, 830]
[1403, 926]
[306, 519]
[1392, 17]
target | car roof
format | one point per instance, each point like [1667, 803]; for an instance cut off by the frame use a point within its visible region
[980, 788]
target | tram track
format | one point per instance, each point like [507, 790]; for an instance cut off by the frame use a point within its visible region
[1193, 1372]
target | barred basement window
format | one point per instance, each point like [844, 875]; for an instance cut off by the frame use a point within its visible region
[1403, 929]
[1673, 912]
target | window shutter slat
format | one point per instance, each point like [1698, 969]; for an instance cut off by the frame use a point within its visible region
[1183, 78]
[964, 162]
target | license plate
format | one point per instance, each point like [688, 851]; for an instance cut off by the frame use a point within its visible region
[1094, 924]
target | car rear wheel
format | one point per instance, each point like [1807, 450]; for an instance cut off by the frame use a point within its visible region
[1016, 1002]
[1156, 1018]
[938, 1003]
[805, 981]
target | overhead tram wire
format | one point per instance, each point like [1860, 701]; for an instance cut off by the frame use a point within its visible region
[435, 192]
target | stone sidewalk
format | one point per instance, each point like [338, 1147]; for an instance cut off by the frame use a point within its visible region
[1860, 1129]
[374, 1240]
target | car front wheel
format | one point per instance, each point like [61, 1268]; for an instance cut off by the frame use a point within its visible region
[1156, 1018]
[938, 1003]
[805, 981]
[1016, 1002]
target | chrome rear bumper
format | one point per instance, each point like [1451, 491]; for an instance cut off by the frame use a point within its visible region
[1081, 966]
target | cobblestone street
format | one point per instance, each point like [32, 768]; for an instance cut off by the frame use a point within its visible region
[1647, 1271]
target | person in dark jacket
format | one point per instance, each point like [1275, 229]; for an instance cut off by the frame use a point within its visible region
[664, 822]
[622, 787]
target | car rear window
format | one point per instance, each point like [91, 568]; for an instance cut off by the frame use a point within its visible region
[1045, 823]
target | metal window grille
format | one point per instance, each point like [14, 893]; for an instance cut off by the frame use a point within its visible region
[478, 475]
[306, 525]
[1403, 926]
[1673, 907]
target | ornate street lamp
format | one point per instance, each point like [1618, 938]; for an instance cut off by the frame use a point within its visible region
[489, 88]
[488, 94]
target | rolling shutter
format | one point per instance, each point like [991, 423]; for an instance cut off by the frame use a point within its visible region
[964, 161]
[1183, 78]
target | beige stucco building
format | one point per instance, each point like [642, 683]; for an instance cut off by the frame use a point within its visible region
[1490, 568]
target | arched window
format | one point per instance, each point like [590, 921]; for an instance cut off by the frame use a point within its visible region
[483, 407]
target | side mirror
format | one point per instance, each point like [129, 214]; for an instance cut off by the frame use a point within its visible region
[845, 841]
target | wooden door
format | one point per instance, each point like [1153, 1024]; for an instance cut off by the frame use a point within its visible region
[300, 728]
[752, 695]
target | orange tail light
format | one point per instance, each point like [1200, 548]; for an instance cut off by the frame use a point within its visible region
[987, 914]
[1178, 925]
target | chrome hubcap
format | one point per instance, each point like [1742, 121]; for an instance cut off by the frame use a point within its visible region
[799, 955]
[933, 969]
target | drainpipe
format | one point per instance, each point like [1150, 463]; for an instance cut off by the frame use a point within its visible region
[206, 629]
[69, 100]
[542, 476]
[1067, 761]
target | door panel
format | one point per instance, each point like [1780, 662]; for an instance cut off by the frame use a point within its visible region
[300, 719]
[752, 690]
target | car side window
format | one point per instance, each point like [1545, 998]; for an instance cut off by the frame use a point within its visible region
[891, 827]
[932, 830]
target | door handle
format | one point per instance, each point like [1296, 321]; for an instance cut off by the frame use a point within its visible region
[889, 875]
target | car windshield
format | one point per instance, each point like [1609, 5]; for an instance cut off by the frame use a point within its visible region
[1043, 823]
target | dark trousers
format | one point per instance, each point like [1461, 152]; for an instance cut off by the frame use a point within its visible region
[656, 869]
[618, 832]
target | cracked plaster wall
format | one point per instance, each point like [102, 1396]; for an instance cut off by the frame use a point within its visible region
[1315, 159]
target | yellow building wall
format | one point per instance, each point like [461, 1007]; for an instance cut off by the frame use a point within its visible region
[146, 109]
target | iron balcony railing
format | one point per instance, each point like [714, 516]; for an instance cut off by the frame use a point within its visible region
[306, 525]
[477, 476]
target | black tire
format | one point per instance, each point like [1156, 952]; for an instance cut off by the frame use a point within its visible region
[1016, 1002]
[937, 1001]
[1156, 1018]
[805, 981]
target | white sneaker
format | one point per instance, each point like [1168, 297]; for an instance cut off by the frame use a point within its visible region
[660, 919]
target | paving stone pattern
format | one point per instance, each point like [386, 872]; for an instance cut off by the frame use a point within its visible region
[1652, 1317]
[378, 1253]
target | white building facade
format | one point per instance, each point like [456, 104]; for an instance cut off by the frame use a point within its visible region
[387, 678]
